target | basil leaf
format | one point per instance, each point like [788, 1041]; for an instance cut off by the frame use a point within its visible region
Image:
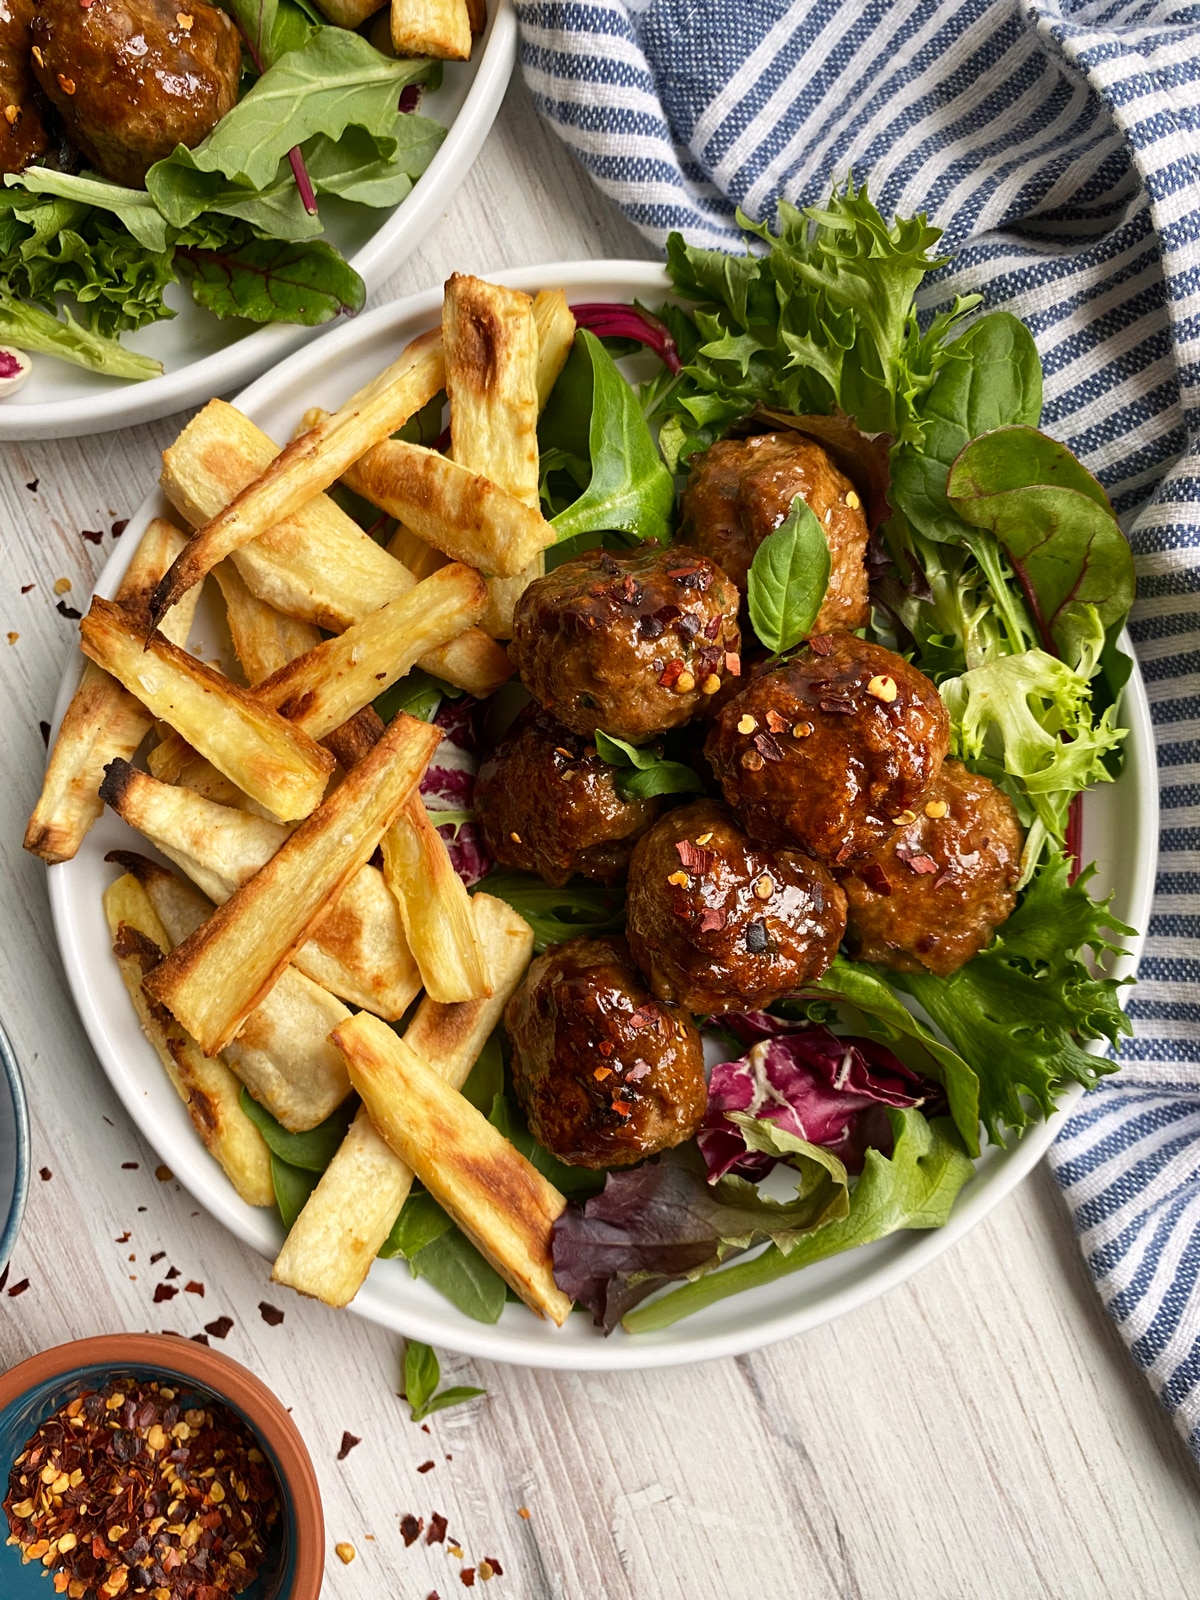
[31, 328]
[422, 1374]
[450, 1397]
[265, 280]
[643, 773]
[313, 1150]
[788, 579]
[452, 1265]
[593, 412]
[292, 1186]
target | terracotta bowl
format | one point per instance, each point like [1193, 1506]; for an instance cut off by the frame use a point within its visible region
[35, 1389]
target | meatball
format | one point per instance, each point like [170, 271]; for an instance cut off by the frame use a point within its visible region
[134, 78]
[719, 924]
[933, 895]
[23, 133]
[606, 1073]
[742, 489]
[826, 752]
[634, 644]
[548, 804]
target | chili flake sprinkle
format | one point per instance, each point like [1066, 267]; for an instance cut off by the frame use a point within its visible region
[129, 1490]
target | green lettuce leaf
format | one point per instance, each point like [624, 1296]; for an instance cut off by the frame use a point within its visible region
[31, 328]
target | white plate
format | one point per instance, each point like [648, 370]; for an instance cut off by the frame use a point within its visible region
[204, 356]
[1120, 825]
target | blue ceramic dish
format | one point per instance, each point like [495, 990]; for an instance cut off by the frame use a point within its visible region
[35, 1389]
[14, 1150]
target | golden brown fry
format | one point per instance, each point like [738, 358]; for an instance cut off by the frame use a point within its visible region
[477, 10]
[208, 1088]
[439, 28]
[273, 761]
[283, 1054]
[317, 565]
[357, 949]
[500, 1200]
[264, 640]
[310, 464]
[216, 978]
[322, 689]
[556, 334]
[350, 1213]
[435, 907]
[420, 558]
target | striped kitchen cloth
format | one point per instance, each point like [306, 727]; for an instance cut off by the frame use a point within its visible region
[1057, 144]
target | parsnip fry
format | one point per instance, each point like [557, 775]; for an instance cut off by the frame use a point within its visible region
[350, 1213]
[208, 1088]
[500, 1200]
[357, 950]
[556, 334]
[435, 907]
[323, 688]
[174, 761]
[264, 640]
[420, 558]
[216, 978]
[310, 464]
[283, 1054]
[273, 761]
[317, 565]
[438, 28]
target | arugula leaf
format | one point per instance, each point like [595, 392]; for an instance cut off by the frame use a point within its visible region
[292, 1186]
[422, 1374]
[593, 412]
[313, 1150]
[913, 1188]
[643, 772]
[1016, 1010]
[31, 328]
[578, 908]
[266, 280]
[788, 578]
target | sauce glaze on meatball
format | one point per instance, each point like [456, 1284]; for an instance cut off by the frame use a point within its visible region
[717, 923]
[825, 752]
[741, 490]
[548, 804]
[633, 644]
[132, 79]
[933, 895]
[606, 1074]
[23, 133]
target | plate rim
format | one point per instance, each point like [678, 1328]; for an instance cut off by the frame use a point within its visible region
[263, 348]
[620, 1352]
[15, 1085]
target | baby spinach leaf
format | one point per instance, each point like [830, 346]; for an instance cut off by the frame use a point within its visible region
[313, 1150]
[593, 412]
[183, 192]
[788, 579]
[420, 1222]
[266, 280]
[31, 328]
[643, 773]
[292, 1186]
[452, 1265]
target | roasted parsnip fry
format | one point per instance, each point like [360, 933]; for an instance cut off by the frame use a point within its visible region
[477, 11]
[500, 1200]
[350, 1213]
[323, 688]
[556, 334]
[451, 508]
[174, 761]
[103, 720]
[439, 28]
[435, 907]
[317, 565]
[208, 1088]
[420, 558]
[271, 759]
[216, 978]
[264, 640]
[358, 950]
[283, 1054]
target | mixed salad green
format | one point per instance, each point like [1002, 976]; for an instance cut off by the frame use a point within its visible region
[998, 568]
[322, 112]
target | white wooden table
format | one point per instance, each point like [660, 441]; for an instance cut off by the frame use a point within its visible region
[980, 1432]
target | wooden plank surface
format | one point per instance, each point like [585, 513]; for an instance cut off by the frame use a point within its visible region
[980, 1432]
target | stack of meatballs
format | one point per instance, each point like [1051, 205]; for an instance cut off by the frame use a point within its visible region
[832, 815]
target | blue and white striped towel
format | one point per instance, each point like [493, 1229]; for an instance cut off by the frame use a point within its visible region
[1057, 143]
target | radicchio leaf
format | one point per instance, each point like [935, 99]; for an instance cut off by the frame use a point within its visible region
[816, 1085]
[449, 785]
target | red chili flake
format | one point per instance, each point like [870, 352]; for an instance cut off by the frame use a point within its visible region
[622, 1107]
[767, 747]
[875, 878]
[3, 1278]
[776, 723]
[820, 644]
[837, 708]
[44, 730]
[631, 591]
[271, 1315]
[129, 1166]
[672, 672]
[18, 1288]
[72, 613]
[437, 1529]
[172, 1272]
[92, 535]
[349, 1440]
[427, 1466]
[123, 1238]
[468, 1577]
[26, 587]
[943, 878]
[643, 1017]
[193, 1286]
[713, 626]
[118, 527]
[410, 1527]
[733, 663]
[694, 858]
[636, 1073]
[32, 485]
[605, 1047]
[158, 1255]
[683, 572]
[711, 920]
[219, 1329]
[45, 1174]
[164, 1291]
[433, 1594]
[497, 1569]
[198, 1338]
[918, 863]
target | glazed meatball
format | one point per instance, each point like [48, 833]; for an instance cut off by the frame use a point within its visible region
[634, 644]
[134, 78]
[934, 894]
[607, 1074]
[824, 753]
[717, 923]
[548, 804]
[742, 489]
[23, 134]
